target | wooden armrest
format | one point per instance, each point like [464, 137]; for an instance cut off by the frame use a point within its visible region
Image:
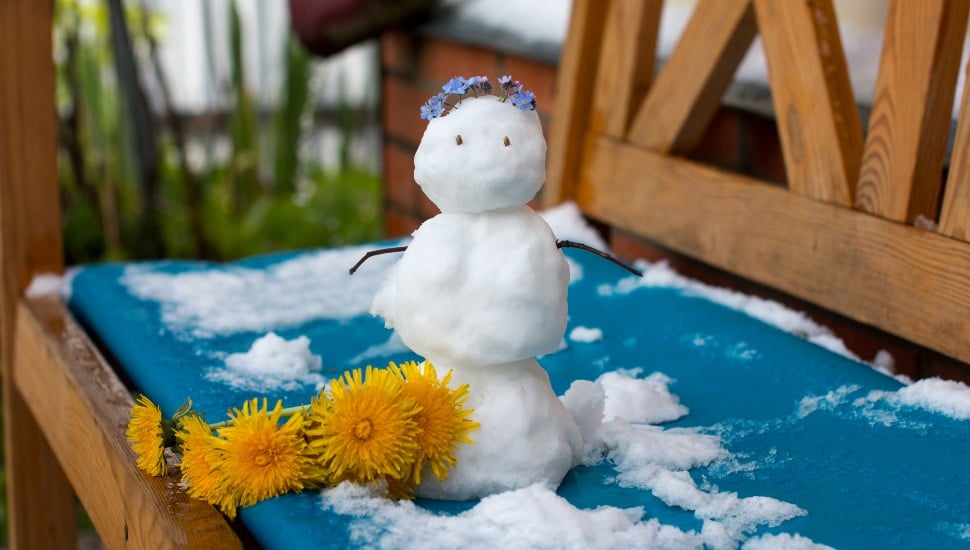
[82, 409]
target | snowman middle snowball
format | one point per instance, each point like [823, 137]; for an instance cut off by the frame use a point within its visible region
[481, 290]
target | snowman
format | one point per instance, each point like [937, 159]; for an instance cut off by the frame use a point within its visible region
[481, 289]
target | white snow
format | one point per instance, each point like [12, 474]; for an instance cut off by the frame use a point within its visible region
[947, 397]
[827, 402]
[532, 517]
[783, 541]
[50, 284]
[650, 457]
[647, 400]
[208, 303]
[272, 363]
[535, 22]
[644, 455]
[586, 335]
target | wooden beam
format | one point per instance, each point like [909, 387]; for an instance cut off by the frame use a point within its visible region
[910, 282]
[689, 88]
[955, 215]
[83, 410]
[41, 504]
[905, 146]
[818, 121]
[574, 96]
[626, 64]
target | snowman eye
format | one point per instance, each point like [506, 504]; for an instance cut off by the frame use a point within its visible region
[458, 139]
[506, 141]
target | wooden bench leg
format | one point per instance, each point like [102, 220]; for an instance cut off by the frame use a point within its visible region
[41, 508]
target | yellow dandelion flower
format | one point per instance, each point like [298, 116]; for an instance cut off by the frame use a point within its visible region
[443, 421]
[261, 458]
[366, 428]
[201, 465]
[317, 474]
[146, 434]
[398, 489]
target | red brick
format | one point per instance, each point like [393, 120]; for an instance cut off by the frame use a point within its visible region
[539, 78]
[946, 368]
[426, 208]
[442, 59]
[399, 53]
[631, 247]
[399, 186]
[767, 160]
[723, 144]
[397, 224]
[400, 109]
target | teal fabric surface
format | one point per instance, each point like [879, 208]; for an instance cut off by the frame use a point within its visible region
[869, 473]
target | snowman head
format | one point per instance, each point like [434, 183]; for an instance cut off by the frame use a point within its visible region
[487, 152]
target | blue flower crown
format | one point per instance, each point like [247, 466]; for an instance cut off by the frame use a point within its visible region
[512, 90]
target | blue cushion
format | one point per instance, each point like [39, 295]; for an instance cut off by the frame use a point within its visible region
[869, 473]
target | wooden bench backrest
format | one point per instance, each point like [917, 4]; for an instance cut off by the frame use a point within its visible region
[841, 233]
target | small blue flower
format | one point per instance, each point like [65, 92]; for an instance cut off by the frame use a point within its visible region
[509, 86]
[437, 105]
[434, 108]
[480, 85]
[524, 99]
[456, 85]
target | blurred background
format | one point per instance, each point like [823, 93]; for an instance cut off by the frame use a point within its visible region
[219, 129]
[207, 130]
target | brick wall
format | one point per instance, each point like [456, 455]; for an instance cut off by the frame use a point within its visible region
[414, 66]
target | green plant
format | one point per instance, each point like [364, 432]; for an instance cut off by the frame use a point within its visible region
[129, 189]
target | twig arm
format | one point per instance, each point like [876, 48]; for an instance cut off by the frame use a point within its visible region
[600, 253]
[377, 252]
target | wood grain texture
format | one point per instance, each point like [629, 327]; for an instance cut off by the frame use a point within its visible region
[688, 90]
[955, 215]
[905, 146]
[580, 55]
[41, 504]
[83, 410]
[818, 120]
[626, 64]
[910, 282]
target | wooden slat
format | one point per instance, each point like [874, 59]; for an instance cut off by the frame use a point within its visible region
[818, 120]
[574, 96]
[626, 64]
[83, 410]
[689, 88]
[955, 215]
[912, 283]
[41, 504]
[908, 129]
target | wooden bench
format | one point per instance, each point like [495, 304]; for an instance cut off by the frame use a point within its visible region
[840, 234]
[65, 410]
